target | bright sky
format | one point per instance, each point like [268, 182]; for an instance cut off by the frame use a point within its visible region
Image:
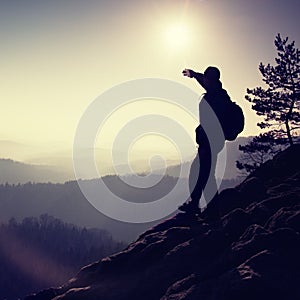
[58, 56]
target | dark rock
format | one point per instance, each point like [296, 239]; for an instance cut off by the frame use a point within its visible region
[230, 199]
[252, 190]
[256, 278]
[284, 165]
[235, 223]
[294, 220]
[279, 219]
[45, 295]
[181, 289]
[260, 213]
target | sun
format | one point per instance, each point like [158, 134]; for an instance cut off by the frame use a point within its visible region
[177, 36]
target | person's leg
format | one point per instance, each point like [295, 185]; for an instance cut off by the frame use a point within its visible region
[199, 174]
[210, 187]
[195, 185]
[195, 188]
[211, 213]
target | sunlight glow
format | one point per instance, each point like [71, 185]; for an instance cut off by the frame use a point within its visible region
[177, 36]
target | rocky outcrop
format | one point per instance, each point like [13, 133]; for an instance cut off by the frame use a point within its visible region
[245, 246]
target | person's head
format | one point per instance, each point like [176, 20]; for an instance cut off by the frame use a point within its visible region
[212, 75]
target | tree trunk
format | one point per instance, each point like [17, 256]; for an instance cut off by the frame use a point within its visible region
[288, 132]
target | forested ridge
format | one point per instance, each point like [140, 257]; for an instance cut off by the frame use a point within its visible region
[38, 252]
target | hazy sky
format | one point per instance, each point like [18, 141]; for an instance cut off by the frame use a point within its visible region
[57, 56]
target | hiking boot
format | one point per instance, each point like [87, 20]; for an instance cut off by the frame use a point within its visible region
[190, 207]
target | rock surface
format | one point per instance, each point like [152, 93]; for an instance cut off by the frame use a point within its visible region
[245, 246]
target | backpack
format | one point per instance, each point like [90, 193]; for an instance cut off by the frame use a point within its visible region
[233, 121]
[230, 115]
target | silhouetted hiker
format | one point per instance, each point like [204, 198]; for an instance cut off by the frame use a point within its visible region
[215, 100]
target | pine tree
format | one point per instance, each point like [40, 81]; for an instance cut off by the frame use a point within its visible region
[260, 149]
[279, 103]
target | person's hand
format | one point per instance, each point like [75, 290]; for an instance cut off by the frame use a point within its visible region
[188, 73]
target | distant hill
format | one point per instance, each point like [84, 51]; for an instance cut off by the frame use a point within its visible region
[245, 245]
[60, 169]
[66, 202]
[17, 151]
[14, 172]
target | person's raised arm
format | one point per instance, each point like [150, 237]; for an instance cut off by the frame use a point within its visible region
[192, 74]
